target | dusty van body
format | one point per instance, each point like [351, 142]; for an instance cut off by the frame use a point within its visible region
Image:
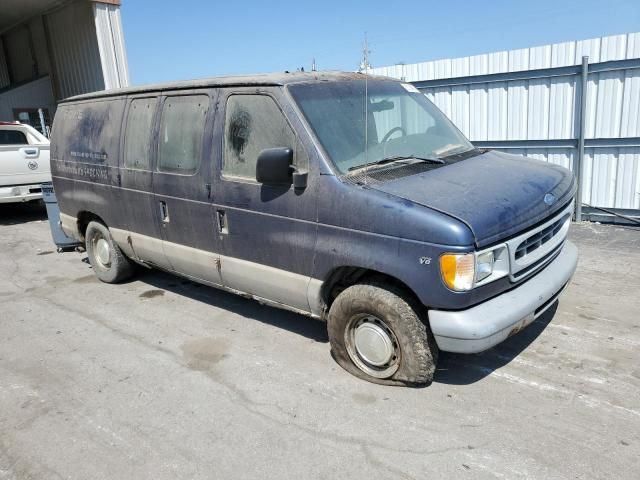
[342, 198]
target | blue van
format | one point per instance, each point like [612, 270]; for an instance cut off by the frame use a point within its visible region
[343, 197]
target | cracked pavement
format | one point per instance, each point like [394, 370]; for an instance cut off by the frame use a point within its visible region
[162, 378]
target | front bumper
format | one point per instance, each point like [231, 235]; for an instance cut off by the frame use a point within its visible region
[487, 324]
[21, 193]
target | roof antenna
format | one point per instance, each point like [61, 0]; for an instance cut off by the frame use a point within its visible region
[365, 67]
[313, 65]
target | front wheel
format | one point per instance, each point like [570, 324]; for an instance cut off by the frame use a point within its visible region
[106, 258]
[376, 334]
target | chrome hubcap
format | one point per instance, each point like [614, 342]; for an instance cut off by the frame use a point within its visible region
[103, 253]
[372, 346]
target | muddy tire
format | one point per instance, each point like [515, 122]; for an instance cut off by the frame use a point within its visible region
[377, 334]
[106, 258]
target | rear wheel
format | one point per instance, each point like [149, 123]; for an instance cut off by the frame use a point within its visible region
[106, 258]
[376, 334]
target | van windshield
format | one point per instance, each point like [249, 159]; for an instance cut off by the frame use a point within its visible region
[401, 123]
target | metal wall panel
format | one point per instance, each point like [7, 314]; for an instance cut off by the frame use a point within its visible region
[630, 122]
[4, 72]
[547, 108]
[111, 45]
[34, 94]
[26, 53]
[497, 111]
[478, 110]
[75, 50]
[38, 36]
[18, 52]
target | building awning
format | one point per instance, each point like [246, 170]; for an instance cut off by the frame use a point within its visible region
[14, 12]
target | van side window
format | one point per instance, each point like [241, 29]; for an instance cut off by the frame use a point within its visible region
[137, 136]
[181, 130]
[252, 123]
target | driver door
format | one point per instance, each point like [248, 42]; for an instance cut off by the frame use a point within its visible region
[268, 232]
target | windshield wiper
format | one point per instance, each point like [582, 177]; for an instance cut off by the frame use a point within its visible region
[397, 158]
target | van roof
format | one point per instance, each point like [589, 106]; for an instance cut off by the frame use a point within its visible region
[265, 79]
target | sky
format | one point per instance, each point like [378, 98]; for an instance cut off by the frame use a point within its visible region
[186, 39]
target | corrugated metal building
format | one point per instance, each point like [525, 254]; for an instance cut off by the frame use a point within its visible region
[529, 101]
[53, 49]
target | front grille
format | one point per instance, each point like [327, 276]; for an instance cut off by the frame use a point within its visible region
[538, 239]
[539, 263]
[534, 249]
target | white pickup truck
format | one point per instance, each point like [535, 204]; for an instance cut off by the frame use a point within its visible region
[24, 162]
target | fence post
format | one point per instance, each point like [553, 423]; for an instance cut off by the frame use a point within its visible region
[579, 167]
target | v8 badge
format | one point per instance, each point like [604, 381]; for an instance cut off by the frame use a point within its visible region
[425, 260]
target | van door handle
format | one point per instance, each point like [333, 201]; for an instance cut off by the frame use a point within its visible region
[164, 212]
[222, 221]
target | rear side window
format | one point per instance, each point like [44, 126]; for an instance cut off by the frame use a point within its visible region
[12, 137]
[137, 137]
[181, 130]
[89, 131]
[252, 123]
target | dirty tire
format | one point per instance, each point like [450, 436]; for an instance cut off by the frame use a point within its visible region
[112, 267]
[400, 313]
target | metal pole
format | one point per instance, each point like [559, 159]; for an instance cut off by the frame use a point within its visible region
[43, 128]
[578, 169]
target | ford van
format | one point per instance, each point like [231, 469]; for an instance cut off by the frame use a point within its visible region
[340, 196]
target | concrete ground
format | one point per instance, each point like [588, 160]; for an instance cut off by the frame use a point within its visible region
[160, 378]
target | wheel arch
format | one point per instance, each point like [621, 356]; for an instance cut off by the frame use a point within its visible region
[340, 278]
[84, 218]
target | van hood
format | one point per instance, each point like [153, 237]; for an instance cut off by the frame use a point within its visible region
[496, 194]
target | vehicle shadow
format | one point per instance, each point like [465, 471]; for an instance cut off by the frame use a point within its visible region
[453, 369]
[460, 369]
[299, 324]
[16, 213]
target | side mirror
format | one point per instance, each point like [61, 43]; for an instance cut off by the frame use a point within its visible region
[274, 167]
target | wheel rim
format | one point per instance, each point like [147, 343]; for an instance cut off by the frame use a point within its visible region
[372, 346]
[102, 252]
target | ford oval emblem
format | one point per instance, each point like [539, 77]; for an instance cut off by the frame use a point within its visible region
[549, 199]
[32, 165]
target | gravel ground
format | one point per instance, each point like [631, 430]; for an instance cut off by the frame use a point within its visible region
[161, 378]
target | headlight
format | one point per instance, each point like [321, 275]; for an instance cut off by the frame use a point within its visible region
[484, 265]
[464, 271]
